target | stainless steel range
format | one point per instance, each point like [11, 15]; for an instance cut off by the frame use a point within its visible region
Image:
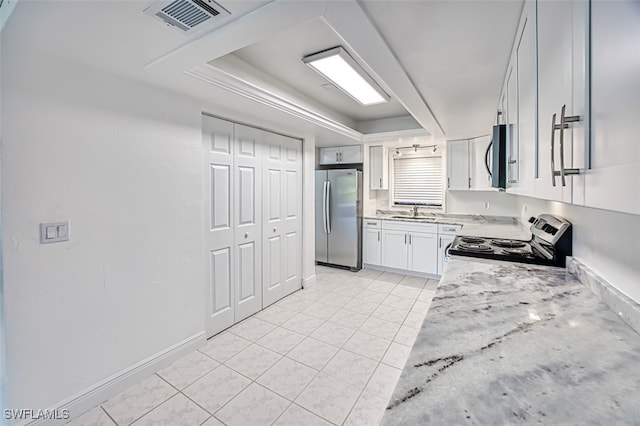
[550, 244]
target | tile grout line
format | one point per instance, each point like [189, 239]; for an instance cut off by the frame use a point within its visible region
[108, 415]
[187, 396]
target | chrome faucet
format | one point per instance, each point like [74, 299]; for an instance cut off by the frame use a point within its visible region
[414, 211]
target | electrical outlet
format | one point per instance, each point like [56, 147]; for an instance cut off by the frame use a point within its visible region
[55, 232]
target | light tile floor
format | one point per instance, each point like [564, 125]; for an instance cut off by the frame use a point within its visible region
[329, 354]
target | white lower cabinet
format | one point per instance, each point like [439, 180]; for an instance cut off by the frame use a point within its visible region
[423, 253]
[410, 246]
[372, 243]
[394, 248]
[446, 234]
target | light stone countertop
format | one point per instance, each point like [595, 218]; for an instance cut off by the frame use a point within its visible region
[472, 225]
[510, 343]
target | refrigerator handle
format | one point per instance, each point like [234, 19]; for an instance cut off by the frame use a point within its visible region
[327, 207]
[324, 206]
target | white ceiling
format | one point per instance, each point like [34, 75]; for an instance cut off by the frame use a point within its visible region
[442, 61]
[455, 52]
[280, 56]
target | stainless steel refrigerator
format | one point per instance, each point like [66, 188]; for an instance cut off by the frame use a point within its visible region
[339, 217]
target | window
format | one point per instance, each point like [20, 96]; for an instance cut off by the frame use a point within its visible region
[417, 180]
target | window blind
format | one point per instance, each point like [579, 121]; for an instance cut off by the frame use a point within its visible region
[417, 180]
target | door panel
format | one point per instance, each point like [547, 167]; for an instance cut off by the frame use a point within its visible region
[220, 196]
[351, 154]
[291, 191]
[273, 252]
[220, 263]
[458, 165]
[423, 253]
[273, 196]
[371, 246]
[321, 235]
[292, 208]
[343, 217]
[554, 90]
[527, 102]
[217, 137]
[292, 267]
[282, 193]
[394, 249]
[246, 272]
[246, 196]
[248, 232]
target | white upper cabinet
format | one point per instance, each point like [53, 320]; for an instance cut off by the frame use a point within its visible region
[614, 176]
[525, 131]
[330, 155]
[480, 163]
[561, 30]
[341, 155]
[458, 165]
[511, 118]
[351, 154]
[378, 167]
[468, 163]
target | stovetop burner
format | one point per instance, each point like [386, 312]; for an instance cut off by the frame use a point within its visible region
[508, 243]
[477, 248]
[472, 240]
[518, 251]
[550, 244]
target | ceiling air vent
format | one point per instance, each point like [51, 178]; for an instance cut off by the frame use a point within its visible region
[187, 16]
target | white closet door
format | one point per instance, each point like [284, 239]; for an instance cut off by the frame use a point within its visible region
[273, 260]
[248, 218]
[292, 207]
[282, 210]
[218, 195]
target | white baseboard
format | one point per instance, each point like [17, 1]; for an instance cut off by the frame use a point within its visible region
[309, 281]
[102, 391]
[401, 271]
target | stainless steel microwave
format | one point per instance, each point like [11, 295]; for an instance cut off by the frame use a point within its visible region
[498, 167]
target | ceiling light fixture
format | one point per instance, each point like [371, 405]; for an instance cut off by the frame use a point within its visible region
[415, 147]
[337, 66]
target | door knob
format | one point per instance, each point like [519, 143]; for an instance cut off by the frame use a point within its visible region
[275, 230]
[246, 235]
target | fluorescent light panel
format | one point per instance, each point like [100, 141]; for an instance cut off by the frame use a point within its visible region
[337, 66]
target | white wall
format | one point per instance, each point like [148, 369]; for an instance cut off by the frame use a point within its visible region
[380, 199]
[490, 203]
[121, 161]
[607, 242]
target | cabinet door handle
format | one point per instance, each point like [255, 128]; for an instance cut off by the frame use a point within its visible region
[563, 125]
[469, 182]
[409, 239]
[405, 239]
[448, 182]
[381, 183]
[378, 235]
[564, 180]
[440, 243]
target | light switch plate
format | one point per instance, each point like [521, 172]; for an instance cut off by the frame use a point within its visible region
[54, 232]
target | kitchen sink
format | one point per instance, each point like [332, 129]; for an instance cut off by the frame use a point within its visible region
[413, 218]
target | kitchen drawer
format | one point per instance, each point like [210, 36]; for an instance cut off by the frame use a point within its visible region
[409, 227]
[449, 229]
[372, 223]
